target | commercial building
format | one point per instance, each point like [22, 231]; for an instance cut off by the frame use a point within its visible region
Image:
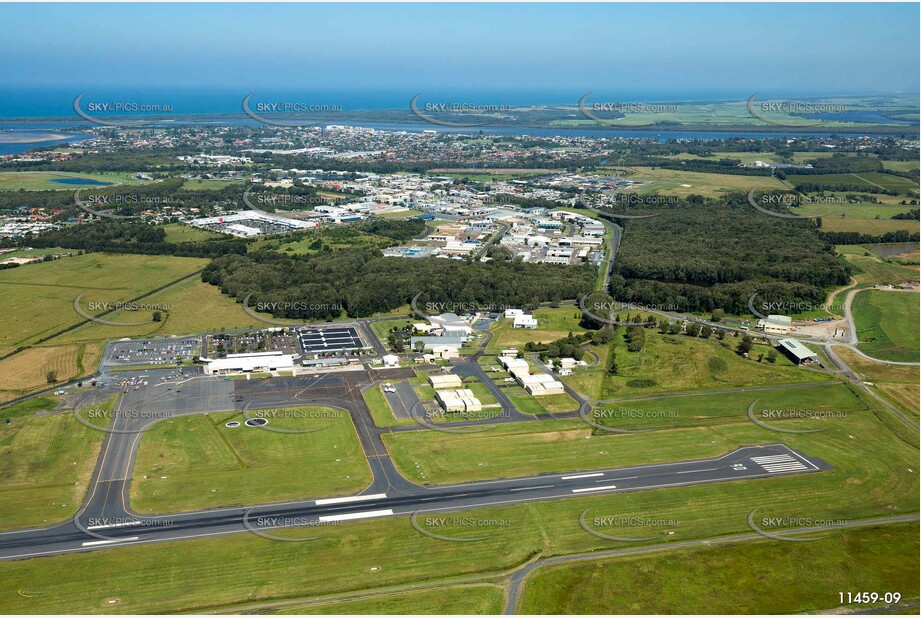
[430, 342]
[246, 363]
[776, 324]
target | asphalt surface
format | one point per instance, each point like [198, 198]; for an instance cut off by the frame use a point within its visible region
[87, 533]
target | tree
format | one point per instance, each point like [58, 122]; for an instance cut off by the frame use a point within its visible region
[396, 341]
[603, 336]
[692, 330]
[745, 346]
[706, 331]
[419, 346]
[636, 338]
[720, 335]
[717, 315]
[612, 364]
[157, 316]
[772, 356]
[674, 328]
[51, 376]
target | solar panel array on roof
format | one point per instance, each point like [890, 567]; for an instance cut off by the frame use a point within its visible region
[336, 339]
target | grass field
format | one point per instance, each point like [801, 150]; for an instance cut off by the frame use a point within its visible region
[697, 410]
[39, 298]
[38, 302]
[874, 474]
[878, 180]
[552, 323]
[791, 578]
[190, 306]
[40, 181]
[177, 232]
[898, 383]
[207, 185]
[704, 426]
[46, 461]
[27, 370]
[873, 219]
[887, 324]
[672, 182]
[458, 600]
[195, 462]
[670, 363]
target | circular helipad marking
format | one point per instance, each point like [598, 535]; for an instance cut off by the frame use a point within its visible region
[232, 424]
[256, 422]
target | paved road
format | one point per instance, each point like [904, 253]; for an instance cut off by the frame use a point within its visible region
[746, 463]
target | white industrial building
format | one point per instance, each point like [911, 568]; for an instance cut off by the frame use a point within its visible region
[776, 324]
[458, 400]
[534, 384]
[448, 380]
[537, 384]
[445, 352]
[524, 321]
[246, 363]
[512, 362]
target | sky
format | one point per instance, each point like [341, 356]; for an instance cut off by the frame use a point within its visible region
[650, 48]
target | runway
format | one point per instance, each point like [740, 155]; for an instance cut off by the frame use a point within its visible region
[746, 463]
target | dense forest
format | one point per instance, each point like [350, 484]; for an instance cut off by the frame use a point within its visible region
[362, 282]
[130, 237]
[704, 257]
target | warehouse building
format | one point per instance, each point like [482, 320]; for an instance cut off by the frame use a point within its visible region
[448, 380]
[797, 352]
[458, 400]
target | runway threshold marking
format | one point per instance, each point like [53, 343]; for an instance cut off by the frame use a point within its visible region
[109, 542]
[364, 515]
[602, 488]
[326, 501]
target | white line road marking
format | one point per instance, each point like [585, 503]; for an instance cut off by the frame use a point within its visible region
[772, 458]
[350, 499]
[788, 466]
[581, 476]
[527, 488]
[92, 543]
[602, 488]
[702, 470]
[381, 513]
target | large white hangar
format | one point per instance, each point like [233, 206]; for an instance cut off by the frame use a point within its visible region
[247, 363]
